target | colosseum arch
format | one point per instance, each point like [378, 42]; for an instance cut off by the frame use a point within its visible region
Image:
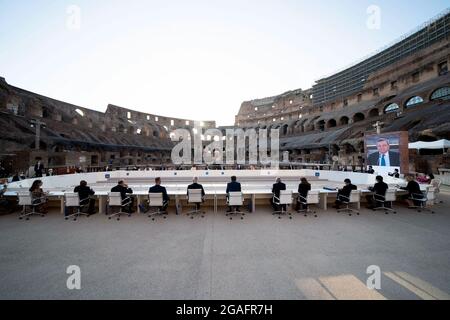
[331, 123]
[309, 126]
[344, 121]
[413, 101]
[293, 127]
[302, 125]
[357, 117]
[373, 113]
[320, 125]
[34, 109]
[46, 113]
[442, 93]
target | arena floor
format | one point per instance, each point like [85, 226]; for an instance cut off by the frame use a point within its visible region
[260, 257]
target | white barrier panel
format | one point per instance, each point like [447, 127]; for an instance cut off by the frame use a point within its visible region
[184, 176]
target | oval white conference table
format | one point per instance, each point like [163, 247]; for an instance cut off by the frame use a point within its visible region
[212, 193]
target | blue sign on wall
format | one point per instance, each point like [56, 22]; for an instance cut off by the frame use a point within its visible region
[317, 174]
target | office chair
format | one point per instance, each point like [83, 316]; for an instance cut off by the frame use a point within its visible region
[436, 184]
[235, 200]
[311, 198]
[282, 202]
[156, 200]
[355, 197]
[195, 197]
[115, 200]
[26, 200]
[389, 197]
[72, 200]
[422, 200]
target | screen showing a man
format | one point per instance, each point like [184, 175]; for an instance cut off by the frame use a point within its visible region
[385, 157]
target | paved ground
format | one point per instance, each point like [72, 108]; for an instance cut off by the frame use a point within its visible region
[260, 257]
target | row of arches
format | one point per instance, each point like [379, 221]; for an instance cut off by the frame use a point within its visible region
[308, 124]
[442, 93]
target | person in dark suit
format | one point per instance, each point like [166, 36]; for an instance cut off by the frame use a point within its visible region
[379, 189]
[39, 169]
[345, 191]
[157, 188]
[85, 193]
[395, 174]
[196, 185]
[370, 170]
[303, 188]
[122, 187]
[233, 186]
[6, 204]
[384, 157]
[413, 189]
[15, 177]
[276, 188]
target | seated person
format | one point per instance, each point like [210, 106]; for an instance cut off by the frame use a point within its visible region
[157, 188]
[379, 190]
[413, 189]
[15, 177]
[6, 205]
[85, 193]
[395, 174]
[122, 187]
[370, 170]
[196, 185]
[303, 188]
[233, 186]
[39, 196]
[276, 188]
[344, 193]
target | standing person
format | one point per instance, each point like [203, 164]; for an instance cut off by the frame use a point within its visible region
[157, 188]
[277, 187]
[303, 188]
[122, 187]
[196, 185]
[85, 193]
[345, 192]
[38, 195]
[39, 169]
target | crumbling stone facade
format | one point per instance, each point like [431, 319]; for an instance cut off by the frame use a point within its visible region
[77, 136]
[411, 95]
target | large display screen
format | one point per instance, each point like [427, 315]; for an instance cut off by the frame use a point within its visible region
[387, 152]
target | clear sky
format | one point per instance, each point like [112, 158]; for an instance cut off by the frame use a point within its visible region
[190, 58]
